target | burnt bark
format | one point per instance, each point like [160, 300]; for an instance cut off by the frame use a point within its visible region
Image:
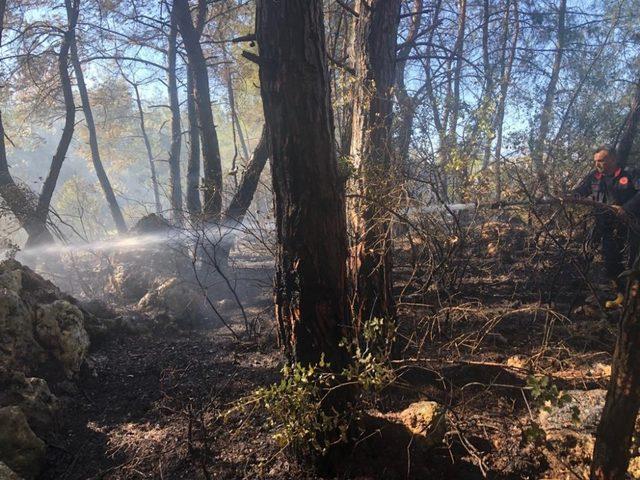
[617, 423]
[310, 293]
[212, 184]
[375, 65]
[176, 132]
[105, 184]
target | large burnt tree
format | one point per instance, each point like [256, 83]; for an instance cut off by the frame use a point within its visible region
[311, 301]
[371, 153]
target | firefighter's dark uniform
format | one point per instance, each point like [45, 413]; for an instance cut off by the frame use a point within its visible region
[623, 189]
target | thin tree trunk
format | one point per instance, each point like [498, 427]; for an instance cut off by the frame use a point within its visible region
[505, 81]
[311, 302]
[375, 65]
[546, 115]
[487, 94]
[212, 187]
[147, 146]
[116, 213]
[49, 186]
[234, 113]
[617, 423]
[625, 144]
[176, 132]
[405, 101]
[194, 205]
[244, 195]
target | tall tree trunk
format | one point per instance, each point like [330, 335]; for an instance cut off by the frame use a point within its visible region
[487, 94]
[617, 423]
[212, 187]
[44, 201]
[194, 205]
[147, 146]
[505, 81]
[235, 119]
[625, 144]
[311, 302]
[176, 132]
[375, 65]
[405, 101]
[546, 115]
[116, 213]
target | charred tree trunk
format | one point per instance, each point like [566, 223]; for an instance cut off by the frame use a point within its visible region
[44, 201]
[194, 205]
[617, 424]
[311, 303]
[375, 65]
[116, 213]
[546, 115]
[212, 187]
[176, 133]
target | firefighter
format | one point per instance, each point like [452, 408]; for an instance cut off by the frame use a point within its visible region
[613, 185]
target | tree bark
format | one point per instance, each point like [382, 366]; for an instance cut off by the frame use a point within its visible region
[405, 101]
[116, 213]
[176, 132]
[617, 423]
[212, 186]
[546, 115]
[147, 146]
[311, 302]
[505, 81]
[244, 195]
[375, 65]
[44, 201]
[625, 144]
[194, 205]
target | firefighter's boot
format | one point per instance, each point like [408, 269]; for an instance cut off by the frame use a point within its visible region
[616, 303]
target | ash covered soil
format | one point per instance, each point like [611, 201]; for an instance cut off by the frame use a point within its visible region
[479, 341]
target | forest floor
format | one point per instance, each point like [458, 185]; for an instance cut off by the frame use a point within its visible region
[151, 406]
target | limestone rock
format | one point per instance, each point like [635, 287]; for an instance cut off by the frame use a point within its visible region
[33, 396]
[7, 474]
[20, 449]
[60, 329]
[426, 419]
[174, 297]
[17, 344]
[130, 281]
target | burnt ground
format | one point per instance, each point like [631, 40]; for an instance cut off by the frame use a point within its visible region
[151, 406]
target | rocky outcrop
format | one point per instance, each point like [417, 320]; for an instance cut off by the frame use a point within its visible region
[43, 331]
[43, 339]
[59, 328]
[20, 449]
